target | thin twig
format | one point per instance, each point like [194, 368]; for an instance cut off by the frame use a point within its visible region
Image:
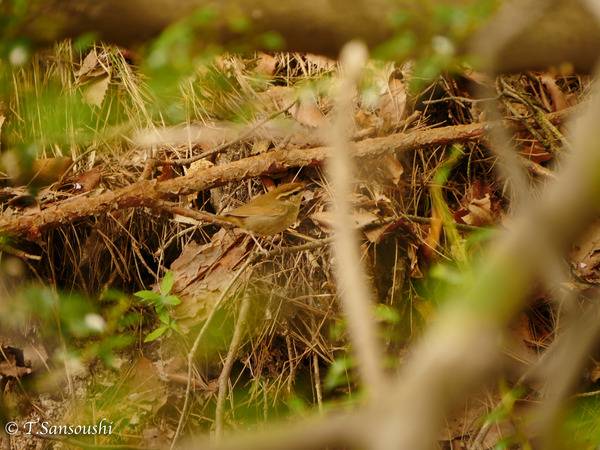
[427, 221]
[586, 394]
[207, 217]
[291, 359]
[538, 116]
[317, 373]
[228, 365]
[536, 168]
[202, 216]
[136, 249]
[19, 253]
[460, 99]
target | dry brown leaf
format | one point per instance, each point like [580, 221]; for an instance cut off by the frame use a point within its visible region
[260, 146]
[196, 259]
[479, 212]
[157, 438]
[87, 181]
[415, 271]
[279, 97]
[266, 64]
[43, 172]
[393, 168]
[399, 226]
[387, 166]
[47, 171]
[518, 343]
[89, 64]
[166, 173]
[522, 328]
[480, 78]
[308, 114]
[363, 119]
[178, 218]
[145, 385]
[480, 206]
[10, 368]
[322, 62]
[384, 205]
[533, 149]
[95, 91]
[393, 102]
[201, 273]
[376, 235]
[198, 166]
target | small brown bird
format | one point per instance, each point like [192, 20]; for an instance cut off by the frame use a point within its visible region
[270, 213]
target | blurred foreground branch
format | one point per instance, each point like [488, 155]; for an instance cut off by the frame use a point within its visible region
[523, 35]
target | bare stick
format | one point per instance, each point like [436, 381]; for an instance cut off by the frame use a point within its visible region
[229, 360]
[317, 373]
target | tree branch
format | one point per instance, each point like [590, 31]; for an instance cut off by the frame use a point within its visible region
[149, 193]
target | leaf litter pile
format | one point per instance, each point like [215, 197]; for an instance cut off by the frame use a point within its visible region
[120, 199]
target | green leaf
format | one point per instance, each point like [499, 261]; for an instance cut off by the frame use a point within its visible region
[155, 334]
[387, 313]
[238, 23]
[163, 315]
[337, 374]
[171, 300]
[297, 404]
[447, 274]
[273, 40]
[175, 326]
[399, 47]
[167, 283]
[338, 329]
[148, 295]
[401, 18]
